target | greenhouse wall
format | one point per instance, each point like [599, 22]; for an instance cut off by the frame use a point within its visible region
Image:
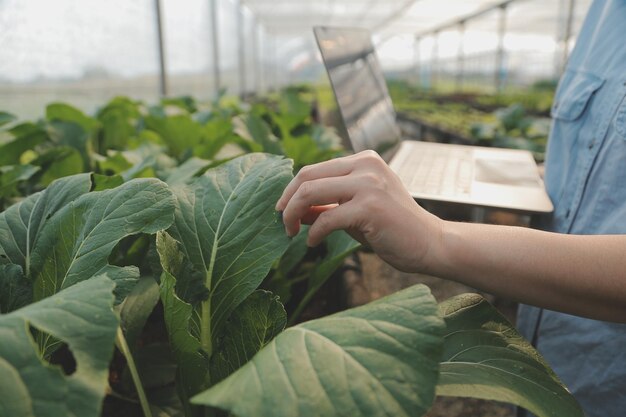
[86, 52]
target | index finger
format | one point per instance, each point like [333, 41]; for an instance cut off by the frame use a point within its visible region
[332, 168]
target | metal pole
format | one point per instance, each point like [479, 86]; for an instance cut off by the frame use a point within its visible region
[460, 69]
[240, 49]
[568, 33]
[217, 82]
[255, 57]
[433, 60]
[499, 72]
[560, 24]
[416, 59]
[260, 64]
[161, 44]
[275, 65]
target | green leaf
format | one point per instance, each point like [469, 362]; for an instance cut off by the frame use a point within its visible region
[180, 132]
[76, 242]
[66, 113]
[189, 281]
[326, 138]
[137, 307]
[80, 316]
[377, 360]
[218, 132]
[6, 118]
[296, 251]
[118, 120]
[485, 357]
[192, 363]
[26, 136]
[186, 103]
[22, 223]
[15, 291]
[339, 245]
[254, 129]
[186, 171]
[105, 182]
[226, 224]
[11, 175]
[302, 149]
[114, 163]
[293, 110]
[258, 320]
[58, 162]
[73, 135]
[146, 161]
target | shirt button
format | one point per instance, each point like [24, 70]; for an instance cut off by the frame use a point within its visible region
[592, 143]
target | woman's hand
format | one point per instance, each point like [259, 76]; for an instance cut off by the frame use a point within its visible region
[576, 274]
[362, 195]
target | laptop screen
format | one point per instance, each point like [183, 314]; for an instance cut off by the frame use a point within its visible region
[360, 88]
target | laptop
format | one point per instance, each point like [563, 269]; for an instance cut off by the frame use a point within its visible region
[471, 175]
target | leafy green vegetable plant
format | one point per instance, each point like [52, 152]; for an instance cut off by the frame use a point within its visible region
[206, 240]
[82, 317]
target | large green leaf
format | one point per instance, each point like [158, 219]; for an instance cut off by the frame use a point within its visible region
[15, 291]
[253, 128]
[296, 251]
[182, 323]
[6, 118]
[258, 320]
[76, 242]
[294, 111]
[80, 316]
[302, 149]
[73, 135]
[226, 224]
[26, 136]
[22, 223]
[180, 132]
[186, 171]
[147, 160]
[484, 357]
[377, 360]
[66, 113]
[11, 175]
[137, 307]
[58, 162]
[118, 119]
[218, 133]
[193, 365]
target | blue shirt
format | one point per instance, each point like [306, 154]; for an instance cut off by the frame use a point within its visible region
[586, 180]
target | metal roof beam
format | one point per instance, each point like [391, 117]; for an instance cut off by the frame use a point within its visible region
[393, 16]
[466, 18]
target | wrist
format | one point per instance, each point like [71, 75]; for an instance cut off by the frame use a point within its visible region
[433, 255]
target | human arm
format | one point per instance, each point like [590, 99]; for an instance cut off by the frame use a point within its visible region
[582, 275]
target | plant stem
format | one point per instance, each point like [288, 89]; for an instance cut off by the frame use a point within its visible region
[143, 400]
[205, 328]
[303, 303]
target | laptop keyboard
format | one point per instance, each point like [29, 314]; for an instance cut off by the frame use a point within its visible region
[433, 171]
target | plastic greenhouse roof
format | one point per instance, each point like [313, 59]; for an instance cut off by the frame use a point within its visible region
[392, 17]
